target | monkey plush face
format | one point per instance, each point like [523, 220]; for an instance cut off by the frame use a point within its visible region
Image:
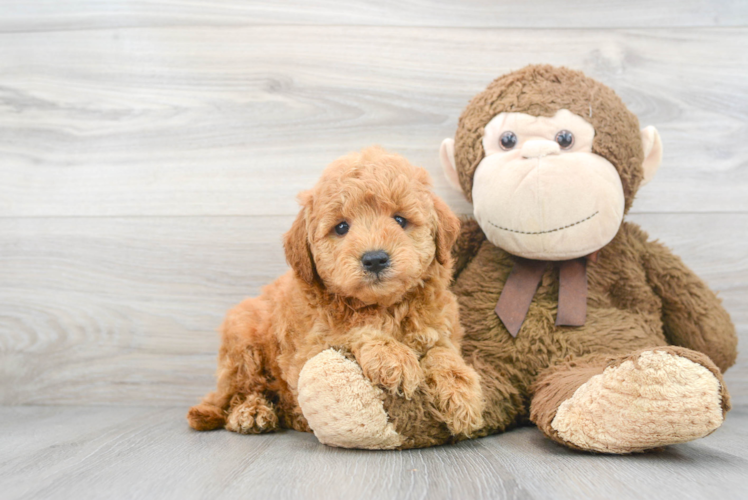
[540, 192]
[551, 163]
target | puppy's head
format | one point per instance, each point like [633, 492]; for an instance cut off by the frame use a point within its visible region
[371, 229]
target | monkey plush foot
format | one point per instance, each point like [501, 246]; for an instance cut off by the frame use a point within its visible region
[343, 408]
[653, 398]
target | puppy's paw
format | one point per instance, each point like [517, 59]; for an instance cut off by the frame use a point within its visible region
[463, 404]
[455, 388]
[253, 415]
[392, 365]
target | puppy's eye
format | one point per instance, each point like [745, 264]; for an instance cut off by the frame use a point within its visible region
[401, 220]
[508, 140]
[342, 228]
[565, 139]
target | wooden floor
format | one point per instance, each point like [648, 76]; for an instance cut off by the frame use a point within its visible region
[150, 453]
[150, 154]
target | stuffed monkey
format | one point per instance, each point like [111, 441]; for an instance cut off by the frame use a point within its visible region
[574, 319]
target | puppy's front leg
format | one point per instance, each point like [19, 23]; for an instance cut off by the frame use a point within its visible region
[389, 363]
[455, 388]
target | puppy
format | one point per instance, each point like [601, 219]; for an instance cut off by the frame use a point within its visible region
[371, 263]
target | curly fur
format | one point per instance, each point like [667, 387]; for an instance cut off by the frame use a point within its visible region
[403, 329]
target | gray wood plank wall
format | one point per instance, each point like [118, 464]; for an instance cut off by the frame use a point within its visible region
[150, 153]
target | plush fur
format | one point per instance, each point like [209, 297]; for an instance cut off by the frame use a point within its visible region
[542, 91]
[640, 299]
[632, 403]
[634, 302]
[401, 326]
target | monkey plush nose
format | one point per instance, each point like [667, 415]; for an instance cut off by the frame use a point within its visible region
[375, 261]
[538, 149]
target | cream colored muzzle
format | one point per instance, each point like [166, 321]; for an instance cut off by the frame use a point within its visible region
[538, 149]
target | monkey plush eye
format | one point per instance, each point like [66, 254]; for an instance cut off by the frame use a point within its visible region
[341, 228]
[508, 140]
[565, 139]
[401, 220]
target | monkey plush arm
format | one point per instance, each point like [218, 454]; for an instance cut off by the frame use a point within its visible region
[692, 314]
[468, 242]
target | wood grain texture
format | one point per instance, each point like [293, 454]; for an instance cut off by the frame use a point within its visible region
[237, 120]
[37, 15]
[148, 453]
[124, 310]
[150, 152]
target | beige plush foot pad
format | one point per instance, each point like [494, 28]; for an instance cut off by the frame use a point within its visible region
[655, 400]
[343, 408]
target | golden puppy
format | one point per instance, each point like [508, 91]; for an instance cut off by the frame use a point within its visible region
[371, 263]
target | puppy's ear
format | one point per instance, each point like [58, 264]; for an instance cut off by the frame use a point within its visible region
[296, 243]
[447, 230]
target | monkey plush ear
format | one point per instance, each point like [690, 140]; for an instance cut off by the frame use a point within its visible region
[447, 230]
[447, 157]
[652, 146]
[296, 243]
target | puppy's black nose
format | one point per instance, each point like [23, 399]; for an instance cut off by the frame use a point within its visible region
[375, 261]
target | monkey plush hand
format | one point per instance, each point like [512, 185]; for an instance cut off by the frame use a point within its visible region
[573, 318]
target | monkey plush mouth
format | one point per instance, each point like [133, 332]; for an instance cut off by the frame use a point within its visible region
[544, 232]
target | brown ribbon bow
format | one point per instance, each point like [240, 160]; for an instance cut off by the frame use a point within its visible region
[523, 282]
